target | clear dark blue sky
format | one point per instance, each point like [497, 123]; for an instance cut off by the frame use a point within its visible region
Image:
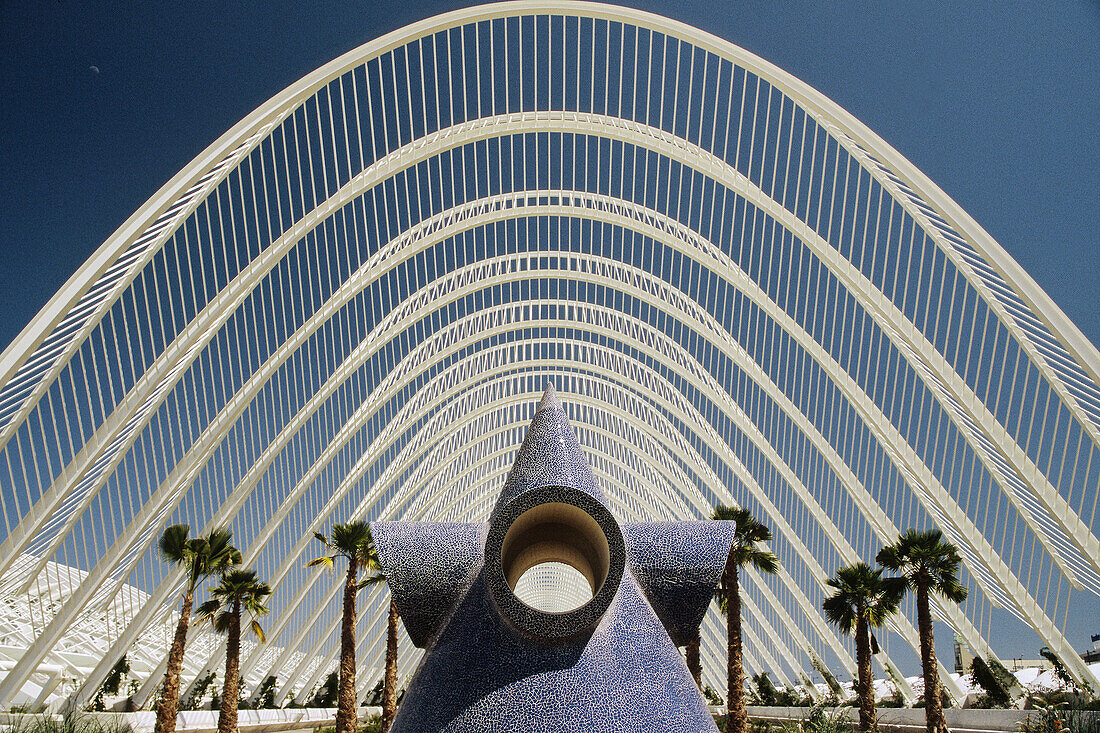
[999, 103]
[102, 102]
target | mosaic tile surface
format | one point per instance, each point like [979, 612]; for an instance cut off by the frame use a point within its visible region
[610, 666]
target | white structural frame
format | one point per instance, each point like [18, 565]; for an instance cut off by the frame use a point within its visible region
[93, 392]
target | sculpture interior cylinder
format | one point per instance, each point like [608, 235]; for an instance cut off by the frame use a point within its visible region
[554, 524]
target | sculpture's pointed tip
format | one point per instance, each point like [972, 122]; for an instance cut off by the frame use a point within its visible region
[550, 454]
[549, 397]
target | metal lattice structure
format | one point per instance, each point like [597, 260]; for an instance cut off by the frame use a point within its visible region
[348, 305]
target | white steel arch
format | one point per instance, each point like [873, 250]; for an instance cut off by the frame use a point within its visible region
[604, 197]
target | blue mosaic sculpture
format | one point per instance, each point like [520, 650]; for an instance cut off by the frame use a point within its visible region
[493, 663]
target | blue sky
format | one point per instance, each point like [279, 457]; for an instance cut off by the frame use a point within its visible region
[997, 102]
[103, 102]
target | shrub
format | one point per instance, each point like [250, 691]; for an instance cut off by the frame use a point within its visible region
[1083, 721]
[825, 720]
[1045, 717]
[325, 697]
[265, 700]
[199, 692]
[830, 680]
[374, 697]
[995, 680]
[112, 683]
[765, 692]
[373, 724]
[71, 722]
[822, 719]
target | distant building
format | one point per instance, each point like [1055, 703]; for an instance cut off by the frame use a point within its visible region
[1093, 653]
[964, 656]
[1018, 663]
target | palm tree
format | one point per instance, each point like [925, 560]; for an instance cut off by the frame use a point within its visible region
[694, 664]
[389, 685]
[239, 590]
[389, 690]
[744, 551]
[863, 599]
[353, 541]
[201, 557]
[928, 564]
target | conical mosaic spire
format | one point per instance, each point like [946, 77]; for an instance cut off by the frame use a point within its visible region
[550, 456]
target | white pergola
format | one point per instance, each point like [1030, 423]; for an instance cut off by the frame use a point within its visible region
[349, 304]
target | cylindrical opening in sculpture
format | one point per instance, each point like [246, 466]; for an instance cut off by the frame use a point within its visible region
[554, 524]
[556, 532]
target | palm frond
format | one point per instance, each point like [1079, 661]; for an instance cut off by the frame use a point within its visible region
[730, 513]
[765, 561]
[220, 541]
[173, 543]
[861, 591]
[325, 561]
[748, 532]
[953, 591]
[926, 559]
[222, 622]
[207, 609]
[720, 599]
[353, 539]
[839, 611]
[238, 590]
[370, 580]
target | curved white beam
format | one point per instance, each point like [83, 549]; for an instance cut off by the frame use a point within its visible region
[989, 440]
[1063, 358]
[773, 391]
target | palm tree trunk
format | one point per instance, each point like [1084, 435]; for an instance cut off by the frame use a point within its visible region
[933, 704]
[169, 703]
[737, 720]
[694, 665]
[389, 689]
[865, 689]
[231, 688]
[347, 710]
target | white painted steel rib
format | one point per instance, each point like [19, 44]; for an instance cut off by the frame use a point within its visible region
[335, 586]
[1040, 534]
[912, 342]
[703, 510]
[992, 443]
[371, 339]
[302, 544]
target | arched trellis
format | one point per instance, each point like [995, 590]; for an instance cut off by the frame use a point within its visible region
[435, 295]
[418, 459]
[92, 392]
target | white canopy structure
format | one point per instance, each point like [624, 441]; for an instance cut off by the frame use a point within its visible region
[348, 305]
